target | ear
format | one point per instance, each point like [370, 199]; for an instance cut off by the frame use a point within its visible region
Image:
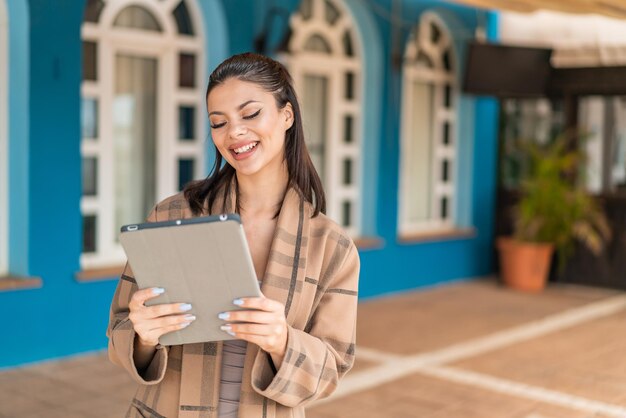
[288, 115]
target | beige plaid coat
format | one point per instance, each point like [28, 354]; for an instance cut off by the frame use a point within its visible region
[313, 269]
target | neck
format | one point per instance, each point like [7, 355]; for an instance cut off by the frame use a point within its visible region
[262, 195]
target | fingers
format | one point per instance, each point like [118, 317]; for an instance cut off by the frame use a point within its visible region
[262, 322]
[169, 324]
[255, 329]
[263, 304]
[258, 317]
[271, 338]
[166, 309]
[151, 322]
[141, 296]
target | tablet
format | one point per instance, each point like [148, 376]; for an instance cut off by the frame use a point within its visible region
[203, 261]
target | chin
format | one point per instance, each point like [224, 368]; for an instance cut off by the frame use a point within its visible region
[247, 169]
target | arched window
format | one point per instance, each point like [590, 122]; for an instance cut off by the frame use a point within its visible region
[141, 119]
[4, 141]
[428, 150]
[325, 60]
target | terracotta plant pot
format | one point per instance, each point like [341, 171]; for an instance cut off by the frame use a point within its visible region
[523, 265]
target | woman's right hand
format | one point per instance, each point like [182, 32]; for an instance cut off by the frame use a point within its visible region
[150, 322]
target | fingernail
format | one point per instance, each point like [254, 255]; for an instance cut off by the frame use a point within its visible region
[190, 318]
[226, 328]
[185, 307]
[158, 290]
[185, 324]
[223, 315]
[238, 302]
[230, 333]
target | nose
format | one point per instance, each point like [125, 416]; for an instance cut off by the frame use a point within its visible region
[237, 129]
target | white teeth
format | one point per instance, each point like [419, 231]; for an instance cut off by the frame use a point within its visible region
[245, 148]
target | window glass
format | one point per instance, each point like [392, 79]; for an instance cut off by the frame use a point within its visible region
[314, 105]
[428, 148]
[348, 133]
[317, 44]
[134, 137]
[185, 172]
[90, 61]
[93, 10]
[324, 58]
[348, 49]
[187, 70]
[183, 20]
[331, 12]
[186, 123]
[137, 18]
[418, 151]
[523, 120]
[603, 123]
[89, 118]
[89, 233]
[90, 176]
[133, 141]
[349, 85]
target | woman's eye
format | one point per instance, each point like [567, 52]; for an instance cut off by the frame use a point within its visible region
[217, 125]
[254, 115]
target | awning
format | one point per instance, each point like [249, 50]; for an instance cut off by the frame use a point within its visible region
[613, 8]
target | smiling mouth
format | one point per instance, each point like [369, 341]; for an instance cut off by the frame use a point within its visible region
[245, 148]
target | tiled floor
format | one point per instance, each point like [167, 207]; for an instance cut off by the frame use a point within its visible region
[466, 350]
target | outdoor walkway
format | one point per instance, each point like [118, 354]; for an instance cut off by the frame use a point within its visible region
[471, 349]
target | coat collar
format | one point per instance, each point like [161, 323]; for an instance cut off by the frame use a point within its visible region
[288, 253]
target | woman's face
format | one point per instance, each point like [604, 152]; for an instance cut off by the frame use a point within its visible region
[247, 127]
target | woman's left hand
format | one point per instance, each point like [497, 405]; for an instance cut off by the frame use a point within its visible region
[264, 325]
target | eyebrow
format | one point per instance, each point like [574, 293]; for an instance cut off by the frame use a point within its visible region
[241, 106]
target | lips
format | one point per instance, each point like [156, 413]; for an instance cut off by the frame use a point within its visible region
[243, 150]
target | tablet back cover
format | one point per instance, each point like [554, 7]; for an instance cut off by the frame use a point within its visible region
[202, 261]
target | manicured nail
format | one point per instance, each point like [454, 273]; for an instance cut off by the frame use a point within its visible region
[223, 315]
[226, 328]
[190, 318]
[185, 307]
[238, 302]
[230, 333]
[157, 290]
[185, 324]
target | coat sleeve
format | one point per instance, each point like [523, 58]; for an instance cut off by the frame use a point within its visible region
[317, 357]
[122, 335]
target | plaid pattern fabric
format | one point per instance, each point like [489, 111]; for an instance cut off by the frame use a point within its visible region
[313, 270]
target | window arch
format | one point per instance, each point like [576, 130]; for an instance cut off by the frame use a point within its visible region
[325, 60]
[141, 124]
[4, 141]
[428, 150]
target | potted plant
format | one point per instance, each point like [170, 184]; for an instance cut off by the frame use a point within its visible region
[552, 214]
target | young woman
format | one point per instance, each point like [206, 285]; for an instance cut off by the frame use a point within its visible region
[291, 346]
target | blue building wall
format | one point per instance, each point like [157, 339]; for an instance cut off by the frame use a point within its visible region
[66, 317]
[401, 266]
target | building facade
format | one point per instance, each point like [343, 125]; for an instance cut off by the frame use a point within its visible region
[102, 113]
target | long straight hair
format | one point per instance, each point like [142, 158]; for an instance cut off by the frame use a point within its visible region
[274, 78]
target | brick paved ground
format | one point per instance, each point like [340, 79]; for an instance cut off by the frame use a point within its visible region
[471, 349]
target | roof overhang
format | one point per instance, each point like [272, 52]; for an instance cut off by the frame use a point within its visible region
[612, 8]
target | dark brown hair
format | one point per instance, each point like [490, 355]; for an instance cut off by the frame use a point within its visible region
[274, 78]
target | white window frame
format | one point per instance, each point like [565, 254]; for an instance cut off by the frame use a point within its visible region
[438, 77]
[333, 66]
[4, 139]
[165, 47]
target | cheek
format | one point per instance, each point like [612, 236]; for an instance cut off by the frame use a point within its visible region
[218, 141]
[218, 138]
